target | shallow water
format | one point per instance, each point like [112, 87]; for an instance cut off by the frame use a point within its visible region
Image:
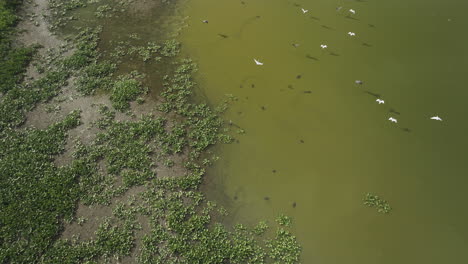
[326, 138]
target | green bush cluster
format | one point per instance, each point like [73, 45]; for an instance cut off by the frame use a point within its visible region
[126, 89]
[35, 194]
[380, 204]
[13, 60]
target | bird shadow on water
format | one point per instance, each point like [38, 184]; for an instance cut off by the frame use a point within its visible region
[311, 57]
[334, 54]
[327, 27]
[352, 18]
[315, 18]
[405, 129]
[393, 111]
[373, 94]
[366, 45]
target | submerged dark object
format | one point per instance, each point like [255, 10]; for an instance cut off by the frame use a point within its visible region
[274, 171]
[294, 204]
[298, 76]
[266, 198]
[308, 92]
[311, 57]
[222, 35]
[263, 108]
[302, 141]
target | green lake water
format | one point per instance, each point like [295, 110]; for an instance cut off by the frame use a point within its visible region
[326, 138]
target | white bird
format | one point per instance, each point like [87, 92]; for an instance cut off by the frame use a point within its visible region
[436, 118]
[304, 11]
[323, 46]
[393, 120]
[351, 33]
[352, 11]
[380, 101]
[257, 62]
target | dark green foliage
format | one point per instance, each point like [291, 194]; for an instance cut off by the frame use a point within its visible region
[86, 49]
[125, 90]
[284, 248]
[35, 193]
[13, 63]
[284, 220]
[13, 60]
[23, 98]
[95, 76]
[114, 240]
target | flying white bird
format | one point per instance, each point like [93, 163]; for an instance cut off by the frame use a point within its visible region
[323, 46]
[352, 11]
[351, 33]
[436, 118]
[358, 82]
[380, 101]
[393, 120]
[304, 11]
[257, 62]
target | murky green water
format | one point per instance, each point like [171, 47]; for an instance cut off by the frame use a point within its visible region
[332, 145]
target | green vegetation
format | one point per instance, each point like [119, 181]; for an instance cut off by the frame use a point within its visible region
[284, 220]
[125, 90]
[35, 193]
[13, 60]
[377, 202]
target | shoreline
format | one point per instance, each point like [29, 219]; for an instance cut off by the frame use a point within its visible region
[132, 170]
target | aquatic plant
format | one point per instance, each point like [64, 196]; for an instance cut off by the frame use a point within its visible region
[284, 220]
[126, 89]
[284, 248]
[381, 205]
[94, 76]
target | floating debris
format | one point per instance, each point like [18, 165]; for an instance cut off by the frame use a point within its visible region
[375, 201]
[266, 198]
